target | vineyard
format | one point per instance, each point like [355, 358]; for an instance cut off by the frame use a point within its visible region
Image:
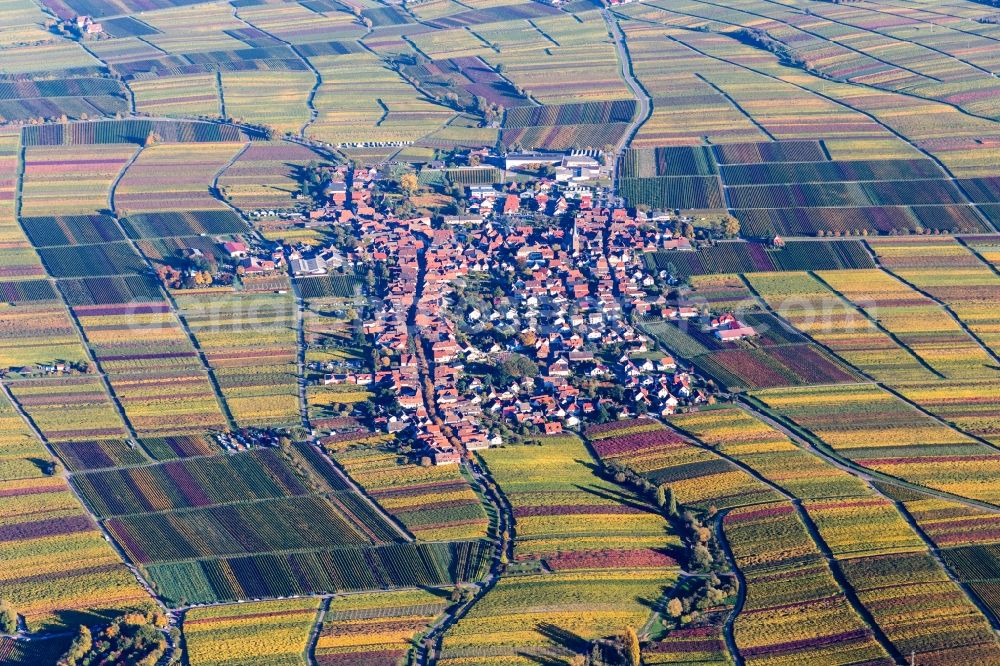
[329, 286]
[109, 290]
[773, 446]
[375, 628]
[183, 223]
[59, 564]
[256, 513]
[227, 634]
[320, 571]
[127, 131]
[433, 503]
[752, 257]
[252, 354]
[674, 192]
[800, 188]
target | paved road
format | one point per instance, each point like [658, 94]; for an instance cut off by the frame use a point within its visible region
[645, 109]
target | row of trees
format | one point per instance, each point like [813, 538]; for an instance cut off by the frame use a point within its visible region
[702, 553]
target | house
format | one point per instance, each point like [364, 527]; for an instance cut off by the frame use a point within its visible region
[511, 204]
[312, 266]
[724, 320]
[667, 363]
[480, 192]
[337, 191]
[727, 327]
[87, 26]
[257, 266]
[735, 330]
[559, 368]
[680, 312]
[445, 456]
[236, 249]
[444, 351]
[476, 441]
[679, 243]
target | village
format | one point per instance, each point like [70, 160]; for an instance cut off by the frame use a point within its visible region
[516, 317]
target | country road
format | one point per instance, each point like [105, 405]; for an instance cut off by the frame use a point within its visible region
[645, 109]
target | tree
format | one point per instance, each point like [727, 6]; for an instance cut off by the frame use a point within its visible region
[701, 556]
[633, 654]
[8, 618]
[409, 183]
[731, 227]
[80, 646]
[661, 495]
[675, 608]
[133, 638]
[519, 365]
[671, 503]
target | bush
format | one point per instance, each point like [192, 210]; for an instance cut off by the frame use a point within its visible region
[8, 618]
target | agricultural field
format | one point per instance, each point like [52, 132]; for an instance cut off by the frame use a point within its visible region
[19, 262]
[263, 177]
[562, 519]
[433, 503]
[559, 515]
[375, 628]
[773, 548]
[277, 99]
[134, 130]
[165, 515]
[776, 356]
[815, 309]
[881, 432]
[591, 125]
[388, 111]
[173, 178]
[60, 569]
[271, 633]
[70, 409]
[295, 371]
[752, 257]
[58, 181]
[777, 544]
[187, 95]
[249, 343]
[152, 367]
[38, 333]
